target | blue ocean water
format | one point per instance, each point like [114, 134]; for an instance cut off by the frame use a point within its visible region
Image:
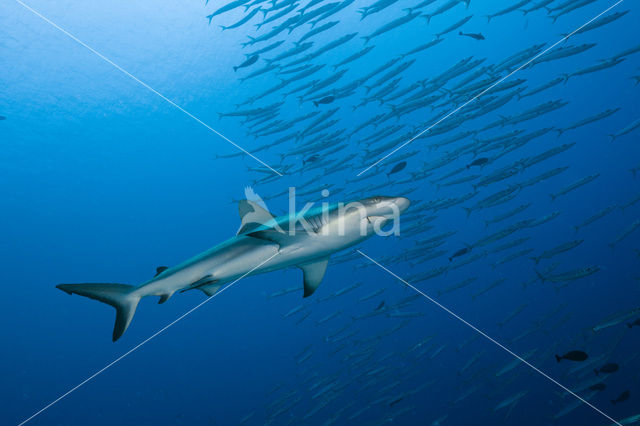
[103, 180]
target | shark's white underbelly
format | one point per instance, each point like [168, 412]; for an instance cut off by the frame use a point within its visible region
[244, 255]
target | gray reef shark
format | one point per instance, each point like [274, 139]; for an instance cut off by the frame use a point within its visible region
[263, 243]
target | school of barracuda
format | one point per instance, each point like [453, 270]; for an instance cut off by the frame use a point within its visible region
[463, 131]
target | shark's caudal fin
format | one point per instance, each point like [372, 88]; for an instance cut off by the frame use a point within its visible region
[120, 296]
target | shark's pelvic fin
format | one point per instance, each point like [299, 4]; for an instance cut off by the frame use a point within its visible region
[313, 274]
[199, 284]
[252, 216]
[120, 296]
[210, 289]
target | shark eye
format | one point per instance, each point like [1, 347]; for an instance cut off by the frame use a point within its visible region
[375, 200]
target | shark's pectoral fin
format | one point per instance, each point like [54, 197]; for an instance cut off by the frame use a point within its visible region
[313, 274]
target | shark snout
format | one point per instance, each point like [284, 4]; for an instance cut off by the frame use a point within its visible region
[402, 203]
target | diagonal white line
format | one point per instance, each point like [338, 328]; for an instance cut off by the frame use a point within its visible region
[489, 88]
[485, 335]
[139, 345]
[142, 83]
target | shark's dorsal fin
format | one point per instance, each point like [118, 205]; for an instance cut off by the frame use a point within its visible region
[160, 269]
[252, 215]
[313, 274]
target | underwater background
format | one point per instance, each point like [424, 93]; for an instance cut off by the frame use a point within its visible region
[103, 181]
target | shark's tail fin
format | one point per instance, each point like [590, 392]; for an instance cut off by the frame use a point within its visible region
[120, 296]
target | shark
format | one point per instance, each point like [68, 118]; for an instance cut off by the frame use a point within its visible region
[263, 243]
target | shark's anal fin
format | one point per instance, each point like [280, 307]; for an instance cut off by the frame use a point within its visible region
[313, 274]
